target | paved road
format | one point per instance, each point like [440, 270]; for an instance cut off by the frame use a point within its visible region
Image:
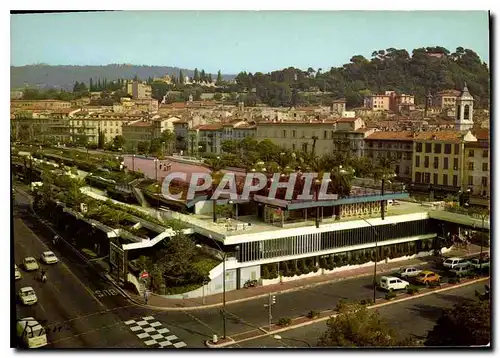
[97, 319]
[73, 302]
[413, 318]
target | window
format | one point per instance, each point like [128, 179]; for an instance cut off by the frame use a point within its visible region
[485, 167]
[419, 147]
[437, 148]
[293, 146]
[417, 161]
[471, 152]
[293, 133]
[457, 149]
[455, 180]
[484, 181]
[471, 180]
[455, 164]
[427, 178]
[400, 155]
[447, 149]
[445, 179]
[407, 170]
[105, 130]
[408, 156]
[436, 162]
[397, 168]
[445, 163]
[418, 177]
[485, 154]
[428, 147]
[284, 133]
[471, 166]
[435, 178]
[426, 162]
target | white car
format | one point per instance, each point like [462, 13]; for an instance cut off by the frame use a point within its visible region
[48, 257]
[454, 262]
[28, 296]
[409, 272]
[18, 275]
[480, 263]
[391, 283]
[30, 264]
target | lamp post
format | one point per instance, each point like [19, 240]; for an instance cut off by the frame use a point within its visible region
[224, 257]
[376, 259]
[385, 177]
[279, 338]
[156, 183]
[133, 162]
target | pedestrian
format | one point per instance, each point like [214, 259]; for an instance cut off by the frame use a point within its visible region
[146, 296]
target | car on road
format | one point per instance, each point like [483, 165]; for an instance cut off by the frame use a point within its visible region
[17, 273]
[460, 271]
[426, 277]
[30, 264]
[27, 296]
[31, 333]
[391, 283]
[48, 257]
[408, 272]
[454, 262]
[480, 263]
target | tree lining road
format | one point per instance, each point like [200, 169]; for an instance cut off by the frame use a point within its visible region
[413, 318]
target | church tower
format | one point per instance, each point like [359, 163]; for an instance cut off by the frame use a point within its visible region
[465, 110]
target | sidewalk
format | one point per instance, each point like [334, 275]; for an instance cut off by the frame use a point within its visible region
[158, 302]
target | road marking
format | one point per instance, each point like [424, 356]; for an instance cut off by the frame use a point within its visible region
[105, 293]
[64, 266]
[152, 336]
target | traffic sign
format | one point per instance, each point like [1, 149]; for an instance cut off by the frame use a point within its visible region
[144, 275]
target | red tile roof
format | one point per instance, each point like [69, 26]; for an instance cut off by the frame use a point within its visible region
[140, 124]
[481, 134]
[388, 135]
[347, 120]
[209, 127]
[440, 135]
[330, 121]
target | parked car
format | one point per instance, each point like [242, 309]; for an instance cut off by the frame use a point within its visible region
[27, 296]
[30, 264]
[454, 262]
[391, 283]
[480, 263]
[31, 333]
[460, 271]
[17, 273]
[48, 257]
[426, 277]
[408, 272]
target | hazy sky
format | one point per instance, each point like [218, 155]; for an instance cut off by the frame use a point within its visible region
[237, 41]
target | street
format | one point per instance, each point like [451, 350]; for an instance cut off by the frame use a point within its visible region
[413, 318]
[82, 309]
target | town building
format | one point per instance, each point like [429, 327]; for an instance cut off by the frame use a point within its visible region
[349, 136]
[395, 145]
[40, 104]
[439, 160]
[339, 107]
[447, 101]
[464, 110]
[378, 102]
[138, 90]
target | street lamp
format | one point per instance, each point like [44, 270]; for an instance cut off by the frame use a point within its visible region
[278, 338]
[133, 162]
[224, 258]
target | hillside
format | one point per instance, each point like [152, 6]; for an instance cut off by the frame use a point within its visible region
[430, 69]
[64, 77]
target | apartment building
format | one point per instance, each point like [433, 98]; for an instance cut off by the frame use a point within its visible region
[138, 90]
[339, 107]
[378, 102]
[396, 145]
[40, 104]
[349, 136]
[439, 160]
[299, 135]
[208, 138]
[403, 103]
[447, 101]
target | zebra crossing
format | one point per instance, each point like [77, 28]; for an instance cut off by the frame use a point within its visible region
[153, 334]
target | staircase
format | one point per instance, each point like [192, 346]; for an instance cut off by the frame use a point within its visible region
[138, 192]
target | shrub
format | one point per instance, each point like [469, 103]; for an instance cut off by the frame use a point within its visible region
[390, 295]
[323, 263]
[434, 284]
[264, 272]
[340, 305]
[454, 280]
[366, 302]
[313, 314]
[284, 321]
[411, 290]
[89, 253]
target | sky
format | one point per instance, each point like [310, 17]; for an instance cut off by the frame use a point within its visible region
[235, 41]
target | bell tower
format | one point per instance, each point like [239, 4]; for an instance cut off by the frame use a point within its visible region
[464, 110]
